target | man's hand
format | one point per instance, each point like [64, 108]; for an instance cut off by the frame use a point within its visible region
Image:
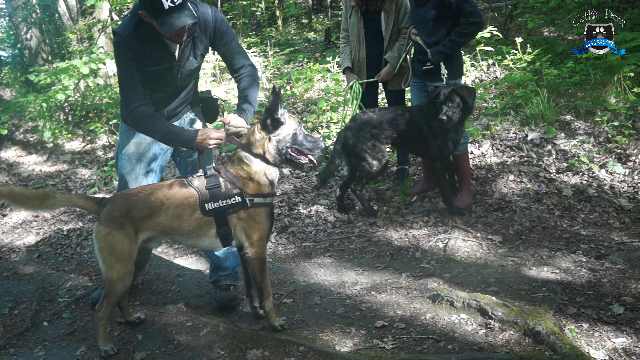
[386, 74]
[414, 35]
[209, 138]
[234, 125]
[351, 77]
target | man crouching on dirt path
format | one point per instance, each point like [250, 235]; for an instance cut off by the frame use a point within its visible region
[159, 50]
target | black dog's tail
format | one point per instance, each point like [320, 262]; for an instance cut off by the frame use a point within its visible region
[334, 162]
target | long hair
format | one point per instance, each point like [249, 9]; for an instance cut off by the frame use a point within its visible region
[371, 5]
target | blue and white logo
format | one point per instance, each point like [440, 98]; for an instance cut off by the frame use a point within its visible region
[598, 38]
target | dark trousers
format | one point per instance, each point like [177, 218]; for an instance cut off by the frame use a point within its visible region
[394, 98]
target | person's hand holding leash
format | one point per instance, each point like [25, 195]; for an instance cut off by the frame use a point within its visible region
[386, 74]
[234, 125]
[414, 34]
[209, 138]
[351, 77]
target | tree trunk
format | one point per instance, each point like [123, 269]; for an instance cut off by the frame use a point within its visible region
[309, 6]
[24, 16]
[279, 13]
[102, 32]
[69, 12]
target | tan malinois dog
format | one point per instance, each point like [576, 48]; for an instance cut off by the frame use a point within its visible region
[131, 223]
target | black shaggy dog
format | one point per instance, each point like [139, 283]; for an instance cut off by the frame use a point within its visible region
[431, 130]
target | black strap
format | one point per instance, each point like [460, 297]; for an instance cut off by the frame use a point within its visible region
[224, 230]
[215, 203]
[214, 188]
[212, 179]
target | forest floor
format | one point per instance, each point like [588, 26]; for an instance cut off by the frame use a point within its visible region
[546, 264]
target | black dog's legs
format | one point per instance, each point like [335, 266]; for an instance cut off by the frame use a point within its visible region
[441, 169]
[363, 177]
[357, 190]
[451, 172]
[343, 208]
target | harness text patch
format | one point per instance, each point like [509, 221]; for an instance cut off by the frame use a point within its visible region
[222, 203]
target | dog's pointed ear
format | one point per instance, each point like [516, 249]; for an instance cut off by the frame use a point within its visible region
[272, 118]
[467, 93]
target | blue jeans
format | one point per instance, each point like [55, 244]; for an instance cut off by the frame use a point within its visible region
[419, 91]
[141, 160]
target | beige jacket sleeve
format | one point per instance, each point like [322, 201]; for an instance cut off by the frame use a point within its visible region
[402, 20]
[345, 41]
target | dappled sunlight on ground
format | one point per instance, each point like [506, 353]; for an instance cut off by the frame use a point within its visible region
[543, 247]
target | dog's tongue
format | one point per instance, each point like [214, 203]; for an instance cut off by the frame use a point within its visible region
[313, 161]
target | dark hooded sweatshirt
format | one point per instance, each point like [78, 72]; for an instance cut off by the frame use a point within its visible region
[445, 26]
[156, 89]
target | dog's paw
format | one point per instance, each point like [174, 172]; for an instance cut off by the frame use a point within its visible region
[137, 320]
[346, 207]
[278, 325]
[344, 210]
[258, 314]
[456, 211]
[370, 211]
[107, 351]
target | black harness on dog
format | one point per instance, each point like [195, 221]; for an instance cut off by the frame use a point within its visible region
[218, 199]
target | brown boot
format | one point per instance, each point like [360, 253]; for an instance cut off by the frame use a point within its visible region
[464, 199]
[427, 183]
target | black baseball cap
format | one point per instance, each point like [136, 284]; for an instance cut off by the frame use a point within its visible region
[170, 15]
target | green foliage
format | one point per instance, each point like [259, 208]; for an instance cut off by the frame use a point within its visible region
[313, 78]
[619, 130]
[68, 98]
[583, 163]
[538, 80]
[540, 110]
[105, 177]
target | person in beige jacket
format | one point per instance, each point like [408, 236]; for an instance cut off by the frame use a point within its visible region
[373, 36]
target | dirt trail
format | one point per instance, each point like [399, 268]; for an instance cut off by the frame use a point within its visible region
[546, 266]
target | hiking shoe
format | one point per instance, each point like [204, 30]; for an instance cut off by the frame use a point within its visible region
[402, 174]
[95, 298]
[227, 297]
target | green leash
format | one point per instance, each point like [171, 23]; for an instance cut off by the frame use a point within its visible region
[353, 93]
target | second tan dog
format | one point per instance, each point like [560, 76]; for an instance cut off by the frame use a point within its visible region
[131, 223]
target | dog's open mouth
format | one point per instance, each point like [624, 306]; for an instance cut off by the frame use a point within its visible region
[301, 157]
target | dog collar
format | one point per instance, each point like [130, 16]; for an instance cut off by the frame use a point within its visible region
[245, 148]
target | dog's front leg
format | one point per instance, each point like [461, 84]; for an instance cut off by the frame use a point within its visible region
[252, 293]
[256, 256]
[440, 170]
[358, 190]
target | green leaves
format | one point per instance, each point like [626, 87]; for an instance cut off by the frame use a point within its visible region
[617, 309]
[67, 98]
